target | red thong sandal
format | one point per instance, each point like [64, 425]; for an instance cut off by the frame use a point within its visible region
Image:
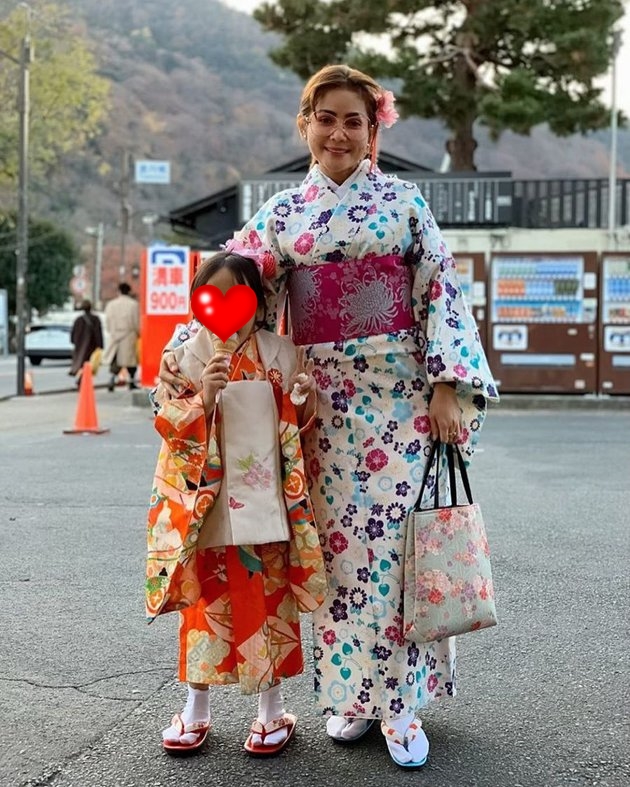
[287, 721]
[198, 728]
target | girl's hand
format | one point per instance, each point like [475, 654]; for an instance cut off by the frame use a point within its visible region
[445, 414]
[213, 379]
[302, 383]
[173, 382]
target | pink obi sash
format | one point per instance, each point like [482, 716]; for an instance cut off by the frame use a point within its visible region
[333, 301]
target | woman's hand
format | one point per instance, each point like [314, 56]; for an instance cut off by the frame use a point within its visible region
[303, 388]
[445, 414]
[173, 382]
[213, 379]
[302, 382]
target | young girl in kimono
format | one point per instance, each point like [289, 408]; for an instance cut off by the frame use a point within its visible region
[375, 300]
[232, 542]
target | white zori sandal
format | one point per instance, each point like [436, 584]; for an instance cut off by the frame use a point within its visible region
[409, 750]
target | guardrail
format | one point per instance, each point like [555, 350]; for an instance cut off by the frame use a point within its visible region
[483, 199]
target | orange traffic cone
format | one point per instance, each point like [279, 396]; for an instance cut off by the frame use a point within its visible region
[86, 420]
[28, 384]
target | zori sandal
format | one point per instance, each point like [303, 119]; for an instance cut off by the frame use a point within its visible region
[287, 721]
[397, 744]
[197, 731]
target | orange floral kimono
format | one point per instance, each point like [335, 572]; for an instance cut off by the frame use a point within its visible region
[239, 604]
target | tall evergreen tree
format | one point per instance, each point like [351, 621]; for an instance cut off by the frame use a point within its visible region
[507, 64]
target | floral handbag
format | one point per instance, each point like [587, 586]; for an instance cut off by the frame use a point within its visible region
[448, 586]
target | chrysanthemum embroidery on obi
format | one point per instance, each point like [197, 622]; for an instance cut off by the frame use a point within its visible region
[369, 305]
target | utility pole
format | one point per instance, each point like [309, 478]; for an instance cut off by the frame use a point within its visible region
[98, 264]
[612, 177]
[98, 234]
[125, 212]
[22, 217]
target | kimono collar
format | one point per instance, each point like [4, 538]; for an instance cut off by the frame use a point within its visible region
[340, 189]
[200, 346]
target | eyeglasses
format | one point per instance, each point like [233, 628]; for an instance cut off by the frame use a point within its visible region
[323, 124]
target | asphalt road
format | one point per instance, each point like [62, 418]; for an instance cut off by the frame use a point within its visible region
[86, 686]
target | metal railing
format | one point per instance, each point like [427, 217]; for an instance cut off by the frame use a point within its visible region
[568, 203]
[481, 200]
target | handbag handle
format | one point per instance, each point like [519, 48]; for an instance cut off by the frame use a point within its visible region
[450, 458]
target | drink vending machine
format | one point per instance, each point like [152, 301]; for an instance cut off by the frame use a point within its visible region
[542, 332]
[614, 350]
[471, 271]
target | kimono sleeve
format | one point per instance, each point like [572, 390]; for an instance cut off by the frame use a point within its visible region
[182, 425]
[259, 240]
[448, 332]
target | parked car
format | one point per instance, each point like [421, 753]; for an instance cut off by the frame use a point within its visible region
[49, 337]
[48, 340]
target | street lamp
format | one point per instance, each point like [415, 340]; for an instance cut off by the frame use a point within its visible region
[21, 250]
[97, 233]
[612, 177]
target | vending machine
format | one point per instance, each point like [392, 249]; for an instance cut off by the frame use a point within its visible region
[471, 271]
[614, 349]
[542, 334]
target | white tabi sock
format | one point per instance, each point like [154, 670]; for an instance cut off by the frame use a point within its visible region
[270, 707]
[346, 728]
[197, 709]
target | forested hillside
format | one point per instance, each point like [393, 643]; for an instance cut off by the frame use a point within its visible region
[192, 83]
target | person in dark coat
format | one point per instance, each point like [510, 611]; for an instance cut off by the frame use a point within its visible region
[87, 336]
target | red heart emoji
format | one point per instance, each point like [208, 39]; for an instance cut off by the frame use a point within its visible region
[224, 314]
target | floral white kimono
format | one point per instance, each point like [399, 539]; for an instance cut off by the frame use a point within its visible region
[374, 296]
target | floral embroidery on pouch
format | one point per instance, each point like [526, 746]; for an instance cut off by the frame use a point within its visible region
[256, 474]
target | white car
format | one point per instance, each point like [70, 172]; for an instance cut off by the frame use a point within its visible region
[48, 340]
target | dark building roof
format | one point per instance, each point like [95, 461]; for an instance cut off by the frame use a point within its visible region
[214, 219]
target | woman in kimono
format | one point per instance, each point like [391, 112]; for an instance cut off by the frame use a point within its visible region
[373, 296]
[232, 541]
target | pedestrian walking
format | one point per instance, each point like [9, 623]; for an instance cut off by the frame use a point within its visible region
[86, 336]
[122, 322]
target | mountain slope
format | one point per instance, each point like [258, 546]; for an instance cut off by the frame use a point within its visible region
[192, 83]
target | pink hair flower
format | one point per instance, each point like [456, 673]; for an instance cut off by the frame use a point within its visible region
[386, 115]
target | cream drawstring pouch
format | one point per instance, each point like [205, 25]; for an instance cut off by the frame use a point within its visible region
[250, 507]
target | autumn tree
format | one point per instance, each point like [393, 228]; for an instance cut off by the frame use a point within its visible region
[507, 64]
[68, 99]
[51, 258]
